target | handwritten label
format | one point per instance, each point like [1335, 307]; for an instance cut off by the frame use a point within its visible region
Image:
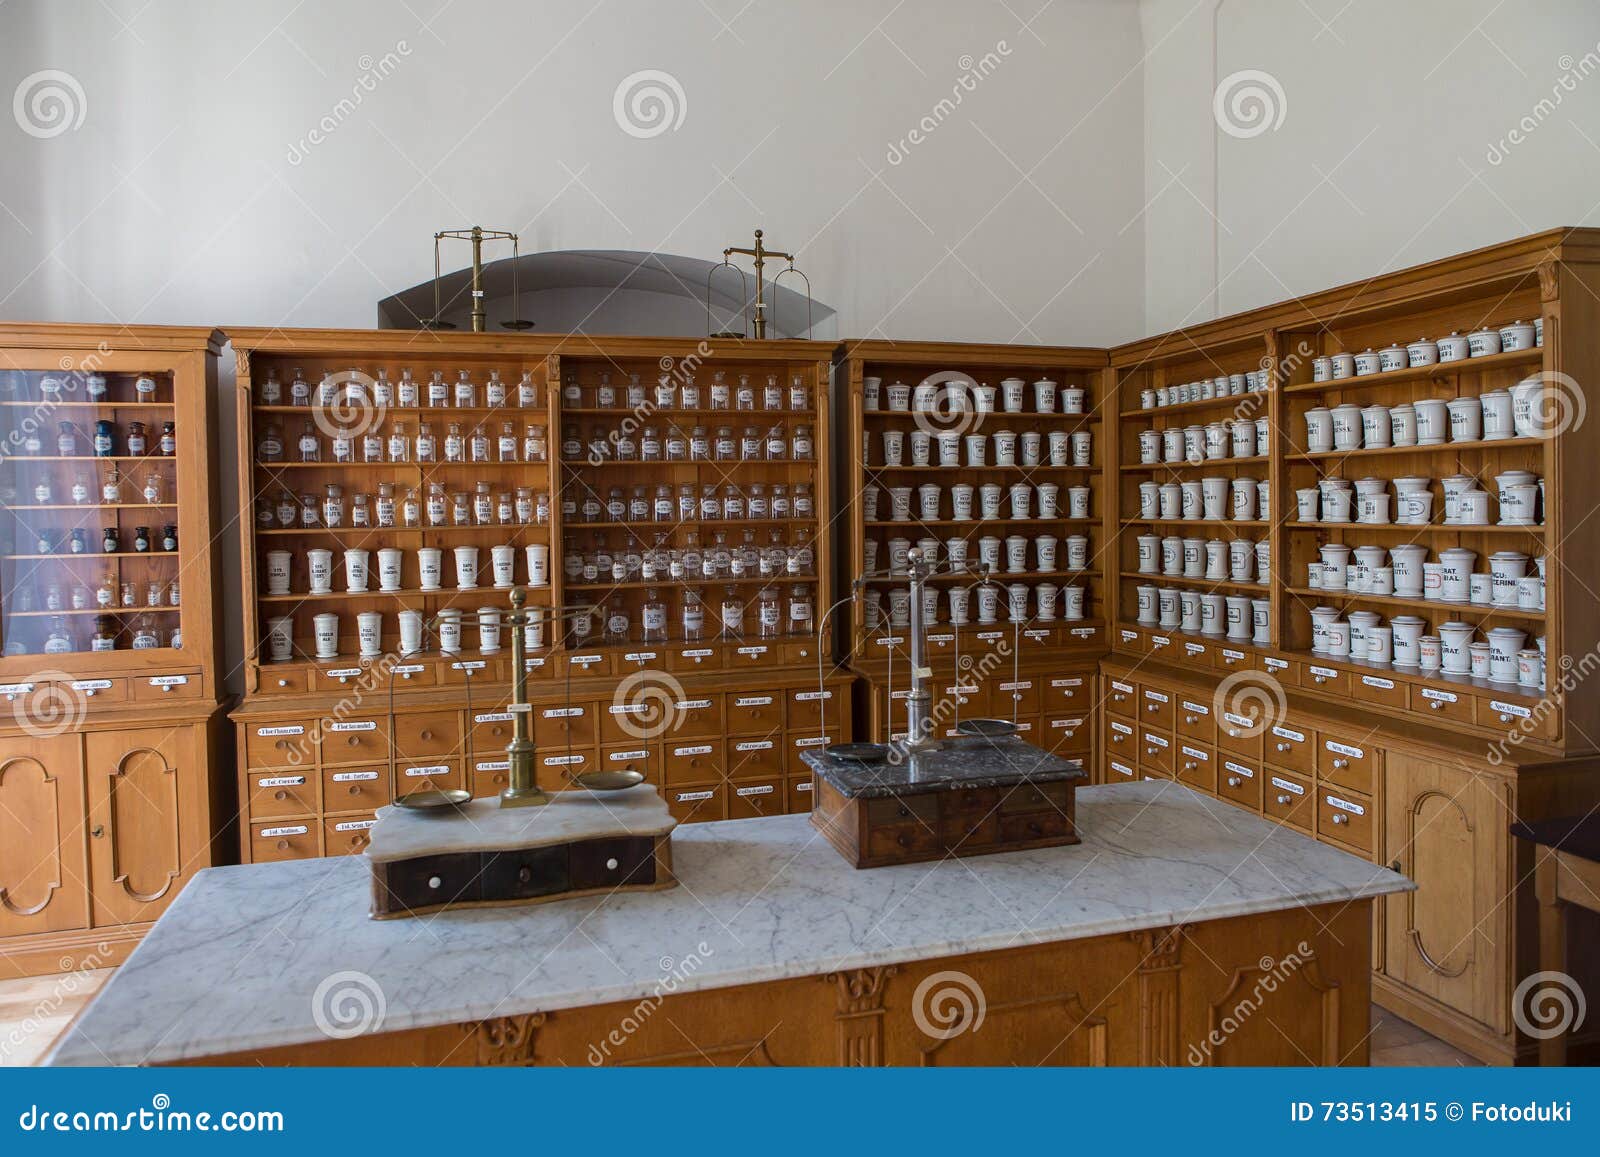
[1377, 682]
[1288, 786]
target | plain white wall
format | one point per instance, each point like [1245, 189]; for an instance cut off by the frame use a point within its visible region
[1394, 145]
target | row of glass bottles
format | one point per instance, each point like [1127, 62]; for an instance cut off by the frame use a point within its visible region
[775, 614]
[685, 393]
[152, 489]
[458, 445]
[723, 557]
[432, 506]
[61, 637]
[356, 388]
[619, 444]
[689, 503]
[106, 593]
[54, 389]
[106, 440]
[52, 540]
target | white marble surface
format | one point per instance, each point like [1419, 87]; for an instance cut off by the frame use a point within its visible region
[482, 825]
[237, 961]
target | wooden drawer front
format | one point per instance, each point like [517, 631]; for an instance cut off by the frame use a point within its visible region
[525, 874]
[800, 793]
[432, 775]
[1074, 692]
[1035, 826]
[1378, 689]
[429, 880]
[284, 680]
[1230, 659]
[754, 712]
[753, 758]
[969, 819]
[697, 802]
[1016, 695]
[1352, 765]
[97, 691]
[426, 733]
[489, 777]
[796, 746]
[1316, 677]
[922, 810]
[1119, 770]
[610, 863]
[804, 708]
[1239, 782]
[563, 725]
[762, 797]
[691, 659]
[1442, 703]
[1035, 797]
[346, 835]
[1239, 735]
[355, 741]
[158, 688]
[491, 731]
[902, 839]
[1161, 646]
[1122, 697]
[1155, 708]
[1194, 719]
[553, 770]
[405, 676]
[284, 840]
[1067, 736]
[281, 743]
[585, 665]
[351, 789]
[1156, 751]
[1196, 654]
[1345, 816]
[1288, 797]
[696, 717]
[282, 793]
[637, 721]
[691, 761]
[1197, 767]
[754, 655]
[344, 678]
[1291, 746]
[640, 757]
[1120, 738]
[1525, 718]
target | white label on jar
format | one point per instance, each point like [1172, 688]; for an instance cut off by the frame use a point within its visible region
[806, 696]
[493, 717]
[625, 756]
[753, 701]
[469, 665]
[563, 712]
[1158, 696]
[292, 830]
[432, 769]
[1121, 768]
[1344, 749]
[1345, 805]
[562, 760]
[693, 749]
[1121, 728]
[493, 765]
[1375, 681]
[692, 796]
[356, 725]
[754, 745]
[1439, 696]
[169, 681]
[1155, 739]
[763, 789]
[263, 732]
[1238, 720]
[1238, 769]
[1066, 682]
[282, 781]
[1288, 733]
[354, 776]
[1195, 753]
[91, 685]
[1287, 786]
[1510, 709]
[353, 825]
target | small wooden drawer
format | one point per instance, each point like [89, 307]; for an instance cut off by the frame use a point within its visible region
[959, 810]
[693, 803]
[280, 743]
[491, 730]
[1118, 770]
[1225, 658]
[96, 691]
[1067, 735]
[1345, 816]
[1352, 765]
[801, 654]
[528, 874]
[1156, 751]
[1122, 698]
[491, 673]
[1239, 734]
[795, 746]
[284, 840]
[1525, 718]
[696, 716]
[1120, 737]
[753, 758]
[754, 655]
[346, 835]
[1155, 707]
[586, 665]
[1238, 782]
[426, 733]
[1197, 767]
[688, 659]
[489, 778]
[156, 688]
[753, 712]
[277, 680]
[564, 724]
[1194, 719]
[343, 677]
[1032, 797]
[1068, 691]
[804, 708]
[801, 790]
[1291, 747]
[1442, 703]
[356, 740]
[1378, 689]
[554, 770]
[1029, 826]
[1329, 680]
[455, 878]
[639, 720]
[900, 840]
[435, 775]
[1016, 695]
[763, 797]
[355, 788]
[282, 793]
[610, 863]
[640, 757]
[1288, 797]
[921, 809]
[405, 676]
[691, 761]
[1162, 646]
[1195, 654]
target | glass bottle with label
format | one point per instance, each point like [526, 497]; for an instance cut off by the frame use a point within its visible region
[169, 538]
[66, 440]
[344, 446]
[732, 613]
[653, 618]
[571, 392]
[438, 391]
[167, 447]
[524, 505]
[270, 446]
[361, 512]
[800, 610]
[769, 613]
[460, 509]
[333, 505]
[80, 489]
[527, 391]
[617, 624]
[666, 394]
[59, 639]
[802, 506]
[310, 512]
[690, 394]
[438, 508]
[744, 398]
[299, 389]
[407, 391]
[507, 444]
[494, 391]
[288, 510]
[720, 399]
[271, 392]
[154, 489]
[478, 445]
[111, 488]
[777, 444]
[454, 446]
[411, 508]
[505, 512]
[105, 591]
[724, 449]
[105, 634]
[483, 504]
[694, 616]
[799, 396]
[382, 390]
[144, 634]
[384, 509]
[138, 443]
[772, 394]
[533, 443]
[309, 445]
[466, 391]
[372, 445]
[425, 443]
[605, 394]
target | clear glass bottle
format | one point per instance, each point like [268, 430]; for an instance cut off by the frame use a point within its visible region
[533, 443]
[66, 440]
[617, 624]
[399, 443]
[361, 512]
[627, 450]
[636, 393]
[408, 393]
[310, 512]
[732, 613]
[382, 390]
[688, 504]
[299, 389]
[720, 399]
[80, 489]
[649, 445]
[411, 508]
[466, 391]
[344, 446]
[309, 445]
[639, 505]
[455, 447]
[744, 397]
[694, 616]
[478, 445]
[653, 617]
[372, 444]
[505, 512]
[111, 487]
[385, 506]
[155, 488]
[438, 391]
[724, 449]
[732, 503]
[483, 504]
[524, 505]
[507, 444]
[494, 391]
[288, 510]
[769, 613]
[105, 591]
[693, 559]
[666, 395]
[271, 392]
[677, 445]
[616, 505]
[777, 444]
[527, 391]
[799, 396]
[145, 637]
[333, 505]
[801, 444]
[59, 639]
[689, 394]
[605, 394]
[426, 447]
[664, 508]
[756, 506]
[438, 510]
[772, 394]
[802, 506]
[460, 509]
[800, 610]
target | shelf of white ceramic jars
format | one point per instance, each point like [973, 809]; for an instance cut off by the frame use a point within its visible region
[436, 594]
[368, 413]
[1416, 529]
[725, 580]
[647, 413]
[1443, 372]
[370, 532]
[976, 523]
[970, 421]
[721, 464]
[1198, 523]
[1297, 455]
[1251, 402]
[1451, 608]
[998, 577]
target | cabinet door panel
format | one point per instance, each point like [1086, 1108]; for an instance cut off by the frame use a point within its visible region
[41, 837]
[1446, 829]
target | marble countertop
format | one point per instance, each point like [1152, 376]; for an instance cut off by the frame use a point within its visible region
[245, 954]
[958, 764]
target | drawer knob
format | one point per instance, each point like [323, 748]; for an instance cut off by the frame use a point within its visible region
[352, 741]
[1505, 718]
[426, 734]
[1320, 678]
[1233, 781]
[283, 845]
[611, 864]
[1191, 719]
[98, 831]
[280, 794]
[90, 694]
[1232, 733]
[524, 874]
[1149, 751]
[166, 688]
[1283, 747]
[1340, 763]
[1436, 705]
[1189, 765]
[1341, 818]
[282, 745]
[1152, 708]
[435, 883]
[1283, 800]
[283, 682]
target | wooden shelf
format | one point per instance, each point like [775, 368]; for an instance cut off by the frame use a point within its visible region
[693, 463]
[665, 581]
[1424, 373]
[337, 531]
[403, 465]
[163, 609]
[1197, 523]
[422, 412]
[52, 406]
[999, 577]
[651, 410]
[1434, 608]
[1436, 448]
[1259, 590]
[1042, 467]
[1257, 401]
[978, 523]
[67, 556]
[96, 506]
[1426, 529]
[537, 593]
[1204, 464]
[988, 418]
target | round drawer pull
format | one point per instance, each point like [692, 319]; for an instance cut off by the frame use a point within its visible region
[435, 883]
[1320, 678]
[1152, 708]
[283, 682]
[1118, 738]
[1436, 705]
[1233, 781]
[1505, 718]
[352, 741]
[282, 745]
[611, 864]
[283, 845]
[1341, 819]
[280, 794]
[1340, 763]
[1232, 733]
[1150, 751]
[1190, 765]
[1191, 719]
[1283, 747]
[90, 694]
[524, 874]
[1283, 800]
[426, 734]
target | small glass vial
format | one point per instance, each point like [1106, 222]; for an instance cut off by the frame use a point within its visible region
[310, 512]
[382, 390]
[105, 634]
[799, 396]
[455, 449]
[720, 399]
[505, 511]
[66, 440]
[616, 505]
[154, 488]
[772, 394]
[111, 488]
[399, 443]
[288, 511]
[478, 445]
[426, 447]
[694, 616]
[385, 504]
[299, 389]
[541, 508]
[524, 505]
[494, 391]
[333, 505]
[438, 508]
[677, 444]
[665, 394]
[664, 507]
[138, 443]
[803, 507]
[744, 397]
[571, 392]
[617, 624]
[483, 504]
[411, 508]
[438, 391]
[460, 509]
[372, 445]
[271, 393]
[605, 394]
[649, 445]
[344, 446]
[105, 591]
[801, 444]
[361, 512]
[653, 617]
[466, 392]
[309, 445]
[507, 443]
[407, 391]
[167, 445]
[635, 392]
[732, 614]
[769, 613]
[723, 450]
[527, 391]
[690, 393]
[756, 503]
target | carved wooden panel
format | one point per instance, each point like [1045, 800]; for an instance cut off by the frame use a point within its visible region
[41, 826]
[1161, 952]
[1055, 1029]
[1282, 1014]
[506, 1040]
[137, 800]
[859, 1018]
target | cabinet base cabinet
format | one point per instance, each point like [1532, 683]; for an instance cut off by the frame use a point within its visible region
[1433, 806]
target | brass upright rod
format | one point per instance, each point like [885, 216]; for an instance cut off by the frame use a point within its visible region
[523, 789]
[760, 253]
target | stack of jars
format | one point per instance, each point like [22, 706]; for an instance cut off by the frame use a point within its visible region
[1212, 442]
[1221, 386]
[951, 392]
[1454, 347]
[994, 555]
[1514, 581]
[662, 502]
[1241, 618]
[1019, 502]
[1240, 560]
[981, 604]
[436, 506]
[954, 449]
[769, 442]
[1210, 499]
[1502, 656]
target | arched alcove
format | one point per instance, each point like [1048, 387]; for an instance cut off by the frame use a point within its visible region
[613, 292]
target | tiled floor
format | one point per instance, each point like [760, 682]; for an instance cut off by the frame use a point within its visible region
[33, 1012]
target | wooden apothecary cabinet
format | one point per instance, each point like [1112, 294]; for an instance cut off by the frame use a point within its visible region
[108, 616]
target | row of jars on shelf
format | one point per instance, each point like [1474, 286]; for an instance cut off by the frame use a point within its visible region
[54, 389]
[1492, 416]
[681, 390]
[1502, 656]
[721, 556]
[151, 487]
[1206, 500]
[357, 389]
[1026, 501]
[1519, 495]
[65, 542]
[629, 443]
[688, 503]
[1221, 386]
[1030, 448]
[955, 393]
[64, 636]
[981, 604]
[356, 563]
[107, 593]
[1239, 560]
[431, 506]
[1242, 618]
[105, 440]
[370, 446]
[1513, 582]
[1453, 347]
[1214, 441]
[995, 555]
